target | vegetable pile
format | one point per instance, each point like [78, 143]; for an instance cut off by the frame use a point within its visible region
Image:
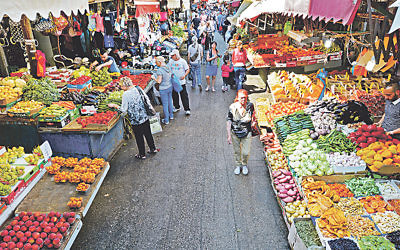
[322, 117]
[387, 222]
[98, 118]
[277, 160]
[306, 231]
[289, 145]
[374, 101]
[362, 186]
[369, 134]
[297, 209]
[306, 160]
[286, 186]
[336, 141]
[114, 97]
[270, 142]
[283, 108]
[43, 90]
[375, 242]
[374, 204]
[351, 112]
[345, 160]
[379, 154]
[291, 124]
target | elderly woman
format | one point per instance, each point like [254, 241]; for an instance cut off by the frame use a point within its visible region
[133, 105]
[162, 77]
[239, 130]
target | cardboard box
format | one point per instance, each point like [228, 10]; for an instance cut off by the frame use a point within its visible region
[295, 241]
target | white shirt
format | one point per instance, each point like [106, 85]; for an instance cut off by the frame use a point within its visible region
[179, 68]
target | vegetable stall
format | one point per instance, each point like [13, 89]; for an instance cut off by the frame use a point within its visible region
[334, 172]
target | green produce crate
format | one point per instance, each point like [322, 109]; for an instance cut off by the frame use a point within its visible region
[30, 174]
[75, 113]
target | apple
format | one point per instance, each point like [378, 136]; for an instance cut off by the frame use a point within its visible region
[20, 234]
[21, 223]
[40, 218]
[59, 236]
[31, 240]
[39, 229]
[51, 224]
[3, 244]
[32, 218]
[28, 234]
[63, 229]
[32, 228]
[27, 246]
[43, 235]
[57, 246]
[28, 223]
[51, 214]
[39, 241]
[52, 236]
[47, 241]
[23, 239]
[29, 213]
[14, 239]
[25, 218]
[20, 245]
[54, 230]
[43, 224]
[11, 245]
[35, 247]
[56, 241]
[50, 245]
[58, 214]
[71, 220]
[17, 218]
[4, 233]
[47, 229]
[62, 219]
[7, 238]
[35, 235]
[47, 219]
[16, 228]
[36, 223]
[22, 214]
[11, 233]
[9, 227]
[36, 214]
[59, 224]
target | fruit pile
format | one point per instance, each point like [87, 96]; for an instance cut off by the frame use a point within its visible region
[82, 187]
[375, 204]
[82, 71]
[9, 92]
[25, 107]
[36, 230]
[368, 134]
[53, 111]
[43, 90]
[13, 82]
[98, 118]
[81, 80]
[101, 77]
[283, 108]
[379, 154]
[75, 202]
[11, 155]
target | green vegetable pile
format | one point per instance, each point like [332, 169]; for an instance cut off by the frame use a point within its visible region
[43, 90]
[291, 141]
[100, 78]
[375, 242]
[336, 141]
[291, 124]
[177, 31]
[362, 186]
[307, 233]
[114, 97]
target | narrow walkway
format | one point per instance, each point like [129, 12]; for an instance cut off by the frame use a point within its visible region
[186, 196]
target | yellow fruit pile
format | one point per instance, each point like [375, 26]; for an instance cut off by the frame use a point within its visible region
[75, 202]
[9, 92]
[25, 106]
[378, 154]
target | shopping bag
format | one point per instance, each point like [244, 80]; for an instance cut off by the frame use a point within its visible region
[176, 84]
[155, 125]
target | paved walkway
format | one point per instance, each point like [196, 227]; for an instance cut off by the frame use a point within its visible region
[186, 196]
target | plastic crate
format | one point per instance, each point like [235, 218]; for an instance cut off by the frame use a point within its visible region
[30, 174]
[8, 199]
[75, 113]
[55, 122]
[79, 86]
[32, 177]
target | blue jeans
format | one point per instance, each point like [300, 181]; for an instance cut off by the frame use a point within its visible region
[196, 74]
[166, 100]
[239, 76]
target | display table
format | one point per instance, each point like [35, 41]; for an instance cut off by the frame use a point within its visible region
[49, 196]
[80, 144]
[19, 131]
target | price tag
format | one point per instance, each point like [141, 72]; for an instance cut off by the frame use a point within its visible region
[3, 150]
[46, 150]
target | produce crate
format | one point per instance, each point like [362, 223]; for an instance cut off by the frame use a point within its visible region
[89, 86]
[32, 177]
[295, 242]
[6, 101]
[8, 199]
[329, 248]
[75, 113]
[54, 122]
[3, 207]
[392, 183]
[79, 86]
[31, 114]
[30, 173]
[4, 108]
[347, 170]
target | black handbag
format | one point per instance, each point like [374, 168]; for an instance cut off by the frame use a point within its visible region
[149, 108]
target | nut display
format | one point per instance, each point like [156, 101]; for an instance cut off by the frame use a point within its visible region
[387, 222]
[350, 206]
[361, 226]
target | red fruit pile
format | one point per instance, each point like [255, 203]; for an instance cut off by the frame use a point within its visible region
[35, 230]
[375, 102]
[81, 80]
[368, 134]
[97, 118]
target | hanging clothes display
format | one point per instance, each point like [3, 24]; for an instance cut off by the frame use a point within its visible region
[133, 31]
[108, 27]
[99, 22]
[92, 21]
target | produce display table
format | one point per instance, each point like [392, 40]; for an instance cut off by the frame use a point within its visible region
[50, 196]
[19, 131]
[83, 143]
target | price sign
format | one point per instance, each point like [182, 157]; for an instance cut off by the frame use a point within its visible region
[46, 150]
[2, 150]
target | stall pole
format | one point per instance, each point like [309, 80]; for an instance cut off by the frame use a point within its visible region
[29, 43]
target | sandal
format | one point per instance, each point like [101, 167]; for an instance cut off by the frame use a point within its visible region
[155, 151]
[140, 157]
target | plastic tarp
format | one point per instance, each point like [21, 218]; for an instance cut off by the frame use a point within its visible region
[147, 7]
[297, 7]
[15, 8]
[334, 9]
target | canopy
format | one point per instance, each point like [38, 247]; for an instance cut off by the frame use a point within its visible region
[15, 8]
[396, 22]
[334, 9]
[251, 12]
[243, 7]
[297, 7]
[273, 6]
[144, 7]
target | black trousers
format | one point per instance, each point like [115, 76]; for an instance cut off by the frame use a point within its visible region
[184, 98]
[140, 131]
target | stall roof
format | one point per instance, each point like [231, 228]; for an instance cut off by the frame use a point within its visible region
[234, 19]
[396, 22]
[144, 7]
[297, 7]
[251, 12]
[334, 10]
[15, 8]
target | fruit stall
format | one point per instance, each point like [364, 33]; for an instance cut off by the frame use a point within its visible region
[43, 201]
[73, 115]
[336, 175]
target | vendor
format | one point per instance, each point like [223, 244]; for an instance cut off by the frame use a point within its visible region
[106, 61]
[391, 119]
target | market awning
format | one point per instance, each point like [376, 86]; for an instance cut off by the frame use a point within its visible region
[297, 7]
[251, 12]
[15, 8]
[334, 9]
[234, 19]
[396, 22]
[273, 6]
[144, 7]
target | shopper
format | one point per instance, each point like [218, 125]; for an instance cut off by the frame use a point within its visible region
[239, 130]
[195, 54]
[105, 61]
[226, 68]
[391, 119]
[212, 66]
[179, 68]
[239, 58]
[133, 105]
[196, 23]
[162, 77]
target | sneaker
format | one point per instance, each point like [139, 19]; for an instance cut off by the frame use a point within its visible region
[200, 88]
[245, 170]
[207, 89]
[171, 118]
[163, 121]
[223, 89]
[176, 110]
[213, 90]
[187, 112]
[237, 170]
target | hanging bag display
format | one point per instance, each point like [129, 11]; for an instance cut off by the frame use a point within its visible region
[61, 23]
[44, 25]
[74, 27]
[16, 32]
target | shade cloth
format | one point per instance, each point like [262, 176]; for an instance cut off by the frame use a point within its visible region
[273, 6]
[334, 9]
[15, 8]
[146, 7]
